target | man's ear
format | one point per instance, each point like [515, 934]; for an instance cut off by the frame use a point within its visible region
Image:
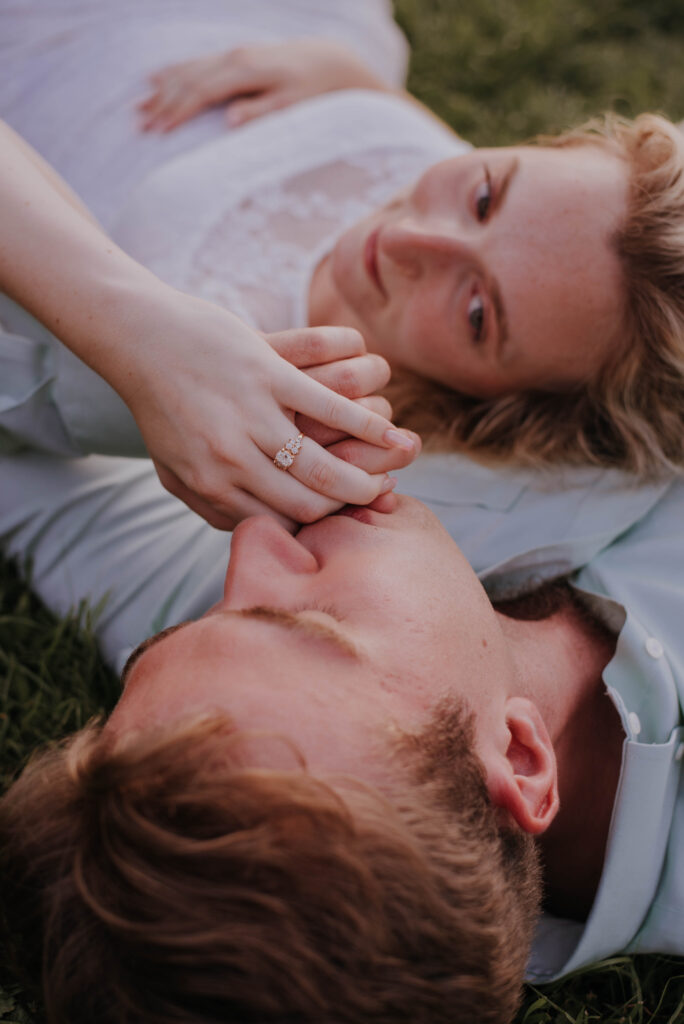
[525, 781]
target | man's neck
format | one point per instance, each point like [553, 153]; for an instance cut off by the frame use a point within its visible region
[561, 660]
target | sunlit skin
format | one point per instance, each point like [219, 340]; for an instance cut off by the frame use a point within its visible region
[493, 274]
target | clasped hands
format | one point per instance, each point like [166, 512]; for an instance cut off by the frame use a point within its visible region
[214, 401]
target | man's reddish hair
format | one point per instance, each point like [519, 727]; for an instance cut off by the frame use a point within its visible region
[164, 880]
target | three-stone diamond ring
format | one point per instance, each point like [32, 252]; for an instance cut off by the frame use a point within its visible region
[288, 453]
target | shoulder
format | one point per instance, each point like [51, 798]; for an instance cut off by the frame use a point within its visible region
[518, 523]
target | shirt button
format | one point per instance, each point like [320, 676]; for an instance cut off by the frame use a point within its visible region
[654, 647]
[634, 722]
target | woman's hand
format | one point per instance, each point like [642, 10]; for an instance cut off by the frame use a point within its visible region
[257, 79]
[214, 403]
[212, 399]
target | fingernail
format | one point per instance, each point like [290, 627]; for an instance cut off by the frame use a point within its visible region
[396, 439]
[389, 483]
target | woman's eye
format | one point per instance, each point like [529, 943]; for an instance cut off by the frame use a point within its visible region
[483, 197]
[476, 317]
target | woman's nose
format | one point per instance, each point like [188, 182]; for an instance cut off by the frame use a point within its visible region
[414, 246]
[265, 561]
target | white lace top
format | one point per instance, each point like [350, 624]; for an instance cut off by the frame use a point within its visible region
[244, 220]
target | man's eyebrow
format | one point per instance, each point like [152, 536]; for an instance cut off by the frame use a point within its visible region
[278, 616]
[493, 284]
[298, 621]
[145, 646]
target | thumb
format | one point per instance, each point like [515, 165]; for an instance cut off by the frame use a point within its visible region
[251, 107]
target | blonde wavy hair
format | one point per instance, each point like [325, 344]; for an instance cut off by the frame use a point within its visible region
[631, 416]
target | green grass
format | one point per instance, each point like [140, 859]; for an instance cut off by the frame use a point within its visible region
[499, 71]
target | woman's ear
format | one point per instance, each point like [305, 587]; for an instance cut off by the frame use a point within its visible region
[525, 781]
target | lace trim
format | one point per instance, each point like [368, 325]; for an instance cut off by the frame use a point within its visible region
[257, 258]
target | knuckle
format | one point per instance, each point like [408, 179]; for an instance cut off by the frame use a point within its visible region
[368, 425]
[193, 479]
[347, 382]
[312, 348]
[321, 476]
[208, 488]
[212, 495]
[332, 413]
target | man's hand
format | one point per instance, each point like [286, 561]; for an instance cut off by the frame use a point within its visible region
[255, 79]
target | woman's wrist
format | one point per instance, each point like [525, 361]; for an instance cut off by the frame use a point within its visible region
[133, 311]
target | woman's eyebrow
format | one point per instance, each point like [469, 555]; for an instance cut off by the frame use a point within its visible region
[278, 616]
[493, 284]
[504, 182]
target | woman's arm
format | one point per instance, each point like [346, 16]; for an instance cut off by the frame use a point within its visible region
[212, 399]
[256, 80]
[8, 137]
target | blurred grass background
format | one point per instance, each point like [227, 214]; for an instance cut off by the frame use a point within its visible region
[498, 71]
[501, 71]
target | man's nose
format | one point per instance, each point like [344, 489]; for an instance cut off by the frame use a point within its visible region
[265, 561]
[415, 246]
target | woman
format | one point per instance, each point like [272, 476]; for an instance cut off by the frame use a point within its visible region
[590, 381]
[267, 241]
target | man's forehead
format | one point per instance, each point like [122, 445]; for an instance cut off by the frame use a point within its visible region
[298, 621]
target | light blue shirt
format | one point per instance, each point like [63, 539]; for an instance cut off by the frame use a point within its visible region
[626, 545]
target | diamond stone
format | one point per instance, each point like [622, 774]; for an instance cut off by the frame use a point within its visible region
[284, 459]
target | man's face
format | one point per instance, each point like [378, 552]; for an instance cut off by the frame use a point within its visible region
[495, 272]
[335, 638]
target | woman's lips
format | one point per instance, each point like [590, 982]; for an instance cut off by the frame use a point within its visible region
[370, 260]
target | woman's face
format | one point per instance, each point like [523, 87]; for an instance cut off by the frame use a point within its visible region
[493, 274]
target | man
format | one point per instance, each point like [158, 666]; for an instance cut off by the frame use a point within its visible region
[353, 639]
